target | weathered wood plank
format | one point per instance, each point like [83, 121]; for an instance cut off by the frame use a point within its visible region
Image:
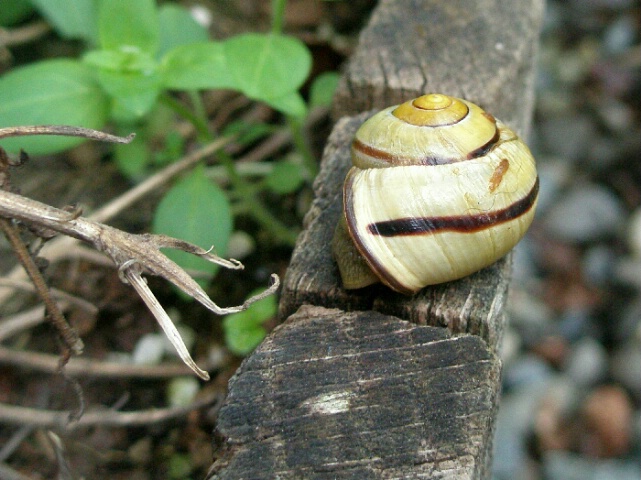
[359, 395]
[331, 394]
[481, 50]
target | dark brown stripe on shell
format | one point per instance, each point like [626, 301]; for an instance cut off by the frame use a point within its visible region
[482, 150]
[427, 160]
[459, 223]
[387, 157]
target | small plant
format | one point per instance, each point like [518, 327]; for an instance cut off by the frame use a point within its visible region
[137, 57]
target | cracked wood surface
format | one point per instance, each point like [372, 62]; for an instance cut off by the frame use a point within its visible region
[331, 394]
[359, 395]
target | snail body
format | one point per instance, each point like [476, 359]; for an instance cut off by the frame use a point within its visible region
[439, 189]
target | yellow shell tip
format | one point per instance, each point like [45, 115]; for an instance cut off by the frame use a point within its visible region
[432, 110]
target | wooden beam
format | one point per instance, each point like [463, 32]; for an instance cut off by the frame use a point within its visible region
[404, 387]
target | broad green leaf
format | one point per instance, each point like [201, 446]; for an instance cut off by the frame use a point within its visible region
[14, 11]
[134, 94]
[70, 18]
[197, 66]
[195, 210]
[285, 177]
[244, 330]
[130, 77]
[128, 25]
[122, 61]
[322, 90]
[267, 66]
[291, 104]
[132, 159]
[62, 92]
[178, 27]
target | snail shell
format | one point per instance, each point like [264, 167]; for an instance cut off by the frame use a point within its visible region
[439, 190]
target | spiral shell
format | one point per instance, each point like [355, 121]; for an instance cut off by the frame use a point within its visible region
[439, 190]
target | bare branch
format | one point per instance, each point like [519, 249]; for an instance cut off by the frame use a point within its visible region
[84, 367]
[65, 131]
[19, 35]
[58, 294]
[13, 415]
[61, 247]
[67, 333]
[134, 255]
[133, 277]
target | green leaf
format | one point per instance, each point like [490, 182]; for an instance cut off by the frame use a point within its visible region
[267, 66]
[119, 60]
[178, 27]
[62, 92]
[130, 77]
[14, 11]
[244, 330]
[322, 90]
[285, 177]
[195, 210]
[132, 159]
[197, 66]
[128, 25]
[291, 104]
[70, 18]
[134, 93]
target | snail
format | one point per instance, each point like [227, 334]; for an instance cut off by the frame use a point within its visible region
[438, 190]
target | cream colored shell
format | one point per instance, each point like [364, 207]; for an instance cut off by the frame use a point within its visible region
[436, 215]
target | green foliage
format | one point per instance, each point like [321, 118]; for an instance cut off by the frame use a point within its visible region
[198, 211]
[127, 25]
[136, 54]
[63, 92]
[268, 67]
[14, 11]
[285, 177]
[322, 90]
[244, 330]
[178, 27]
[72, 19]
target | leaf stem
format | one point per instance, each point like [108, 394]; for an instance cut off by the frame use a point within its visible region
[196, 120]
[302, 147]
[278, 15]
[254, 207]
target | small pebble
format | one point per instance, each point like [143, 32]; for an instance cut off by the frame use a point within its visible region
[634, 233]
[606, 423]
[626, 366]
[181, 391]
[587, 212]
[620, 35]
[597, 265]
[567, 136]
[527, 370]
[560, 465]
[574, 323]
[149, 350]
[587, 364]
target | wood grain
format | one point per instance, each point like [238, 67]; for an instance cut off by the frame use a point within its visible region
[361, 395]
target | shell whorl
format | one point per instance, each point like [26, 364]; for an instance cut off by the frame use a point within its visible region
[430, 130]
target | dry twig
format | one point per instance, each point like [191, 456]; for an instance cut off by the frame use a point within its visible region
[132, 254]
[13, 415]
